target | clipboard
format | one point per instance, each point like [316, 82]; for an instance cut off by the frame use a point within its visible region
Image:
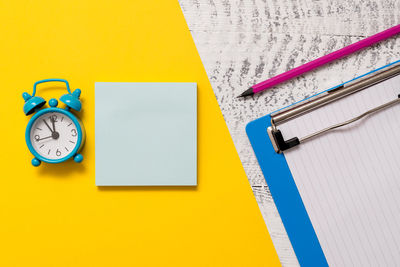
[268, 143]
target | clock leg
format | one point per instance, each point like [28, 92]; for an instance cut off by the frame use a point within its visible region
[35, 162]
[78, 158]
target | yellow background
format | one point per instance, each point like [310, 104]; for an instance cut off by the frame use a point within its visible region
[54, 215]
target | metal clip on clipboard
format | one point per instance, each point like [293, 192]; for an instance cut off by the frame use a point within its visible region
[282, 116]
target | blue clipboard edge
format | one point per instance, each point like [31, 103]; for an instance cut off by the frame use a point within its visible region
[284, 190]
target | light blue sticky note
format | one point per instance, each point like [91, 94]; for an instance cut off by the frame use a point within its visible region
[146, 134]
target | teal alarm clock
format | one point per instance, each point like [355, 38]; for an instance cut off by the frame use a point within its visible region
[53, 134]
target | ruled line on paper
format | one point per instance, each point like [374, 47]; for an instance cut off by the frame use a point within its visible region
[349, 179]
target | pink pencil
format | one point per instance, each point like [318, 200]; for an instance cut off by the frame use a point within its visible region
[321, 61]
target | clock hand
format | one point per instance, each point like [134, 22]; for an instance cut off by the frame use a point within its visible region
[48, 126]
[53, 121]
[37, 140]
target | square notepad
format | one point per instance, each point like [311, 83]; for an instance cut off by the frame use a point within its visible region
[146, 134]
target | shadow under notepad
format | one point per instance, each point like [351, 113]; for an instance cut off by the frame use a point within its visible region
[147, 188]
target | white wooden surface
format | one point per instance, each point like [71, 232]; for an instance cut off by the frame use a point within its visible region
[244, 42]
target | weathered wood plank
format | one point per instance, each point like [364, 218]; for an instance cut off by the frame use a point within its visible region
[244, 42]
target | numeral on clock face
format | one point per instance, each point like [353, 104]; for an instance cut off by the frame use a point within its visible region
[54, 135]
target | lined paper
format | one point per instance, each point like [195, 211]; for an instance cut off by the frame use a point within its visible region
[349, 179]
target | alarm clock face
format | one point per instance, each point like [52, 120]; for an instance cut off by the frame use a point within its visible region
[54, 136]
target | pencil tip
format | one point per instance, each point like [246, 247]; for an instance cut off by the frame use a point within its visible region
[248, 92]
